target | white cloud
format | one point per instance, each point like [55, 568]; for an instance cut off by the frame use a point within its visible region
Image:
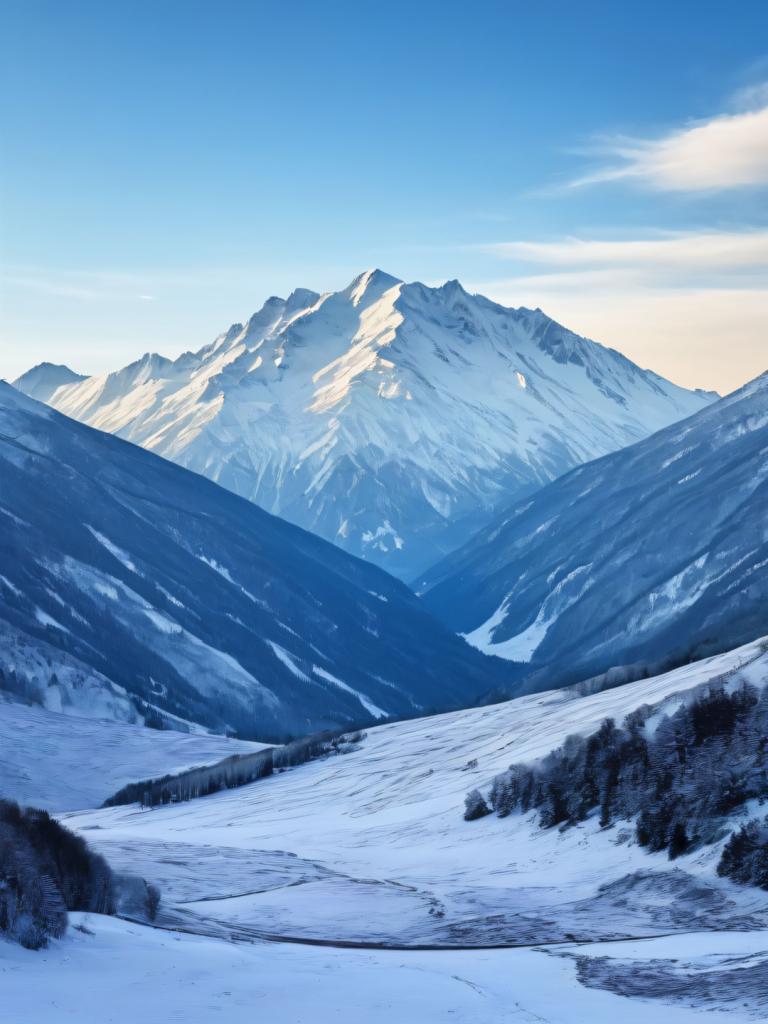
[728, 151]
[750, 97]
[694, 250]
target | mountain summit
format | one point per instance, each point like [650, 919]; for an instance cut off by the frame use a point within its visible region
[393, 419]
[44, 379]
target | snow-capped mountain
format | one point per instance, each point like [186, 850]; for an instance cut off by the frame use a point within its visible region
[656, 553]
[133, 589]
[44, 379]
[393, 419]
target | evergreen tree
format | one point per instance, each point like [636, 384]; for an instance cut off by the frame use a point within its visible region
[678, 780]
[475, 806]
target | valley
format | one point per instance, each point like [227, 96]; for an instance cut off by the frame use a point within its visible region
[383, 647]
[136, 590]
[360, 864]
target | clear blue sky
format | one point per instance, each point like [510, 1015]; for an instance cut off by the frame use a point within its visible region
[166, 166]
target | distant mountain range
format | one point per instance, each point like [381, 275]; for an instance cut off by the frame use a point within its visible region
[393, 419]
[133, 589]
[652, 555]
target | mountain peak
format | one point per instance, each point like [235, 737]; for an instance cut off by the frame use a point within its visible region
[301, 298]
[453, 287]
[44, 379]
[370, 285]
[387, 405]
[276, 310]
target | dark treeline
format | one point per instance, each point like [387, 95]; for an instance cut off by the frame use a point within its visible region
[745, 855]
[238, 770]
[29, 691]
[46, 870]
[677, 776]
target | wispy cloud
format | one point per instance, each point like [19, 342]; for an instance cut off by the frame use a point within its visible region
[750, 97]
[84, 286]
[724, 152]
[662, 252]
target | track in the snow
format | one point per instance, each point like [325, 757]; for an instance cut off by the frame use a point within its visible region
[213, 928]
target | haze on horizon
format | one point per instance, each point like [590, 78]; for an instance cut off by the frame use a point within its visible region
[166, 169]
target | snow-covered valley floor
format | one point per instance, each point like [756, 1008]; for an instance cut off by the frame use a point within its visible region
[266, 888]
[122, 973]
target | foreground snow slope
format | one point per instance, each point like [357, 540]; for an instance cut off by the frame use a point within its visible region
[658, 551]
[121, 973]
[371, 846]
[390, 418]
[62, 763]
[133, 589]
[262, 886]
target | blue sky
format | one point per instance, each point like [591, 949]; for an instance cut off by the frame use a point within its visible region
[167, 166]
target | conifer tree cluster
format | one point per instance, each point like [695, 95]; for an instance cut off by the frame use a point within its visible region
[46, 870]
[745, 855]
[677, 776]
[234, 771]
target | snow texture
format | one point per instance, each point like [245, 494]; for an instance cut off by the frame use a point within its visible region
[264, 885]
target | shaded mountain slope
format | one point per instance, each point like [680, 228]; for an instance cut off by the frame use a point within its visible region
[131, 588]
[653, 554]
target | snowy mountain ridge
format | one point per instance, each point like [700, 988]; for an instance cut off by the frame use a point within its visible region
[44, 379]
[652, 555]
[390, 418]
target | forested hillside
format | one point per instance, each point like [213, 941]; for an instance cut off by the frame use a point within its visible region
[678, 776]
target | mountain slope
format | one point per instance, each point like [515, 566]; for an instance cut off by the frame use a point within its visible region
[130, 587]
[393, 419]
[659, 551]
[64, 763]
[369, 849]
[377, 841]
